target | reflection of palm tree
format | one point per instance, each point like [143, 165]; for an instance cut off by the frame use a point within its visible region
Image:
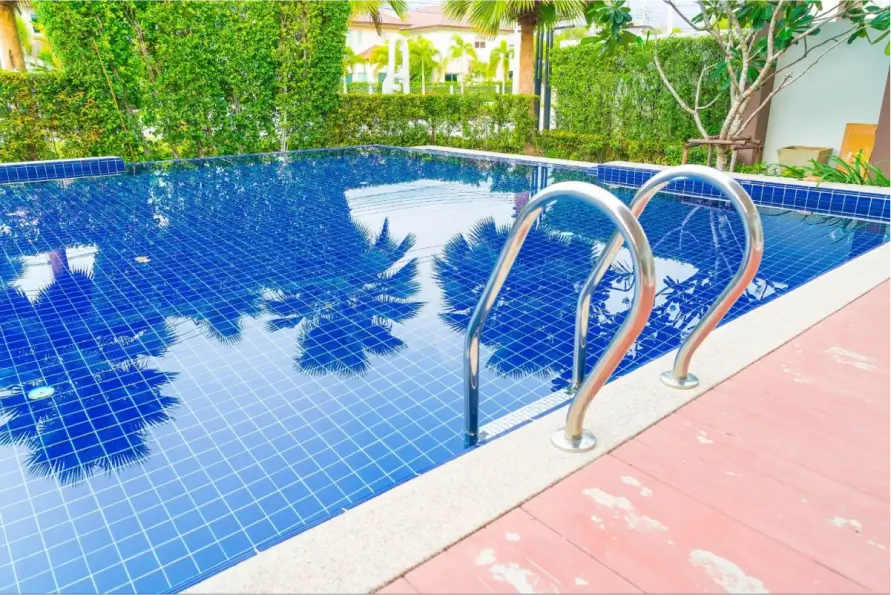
[105, 396]
[531, 327]
[344, 318]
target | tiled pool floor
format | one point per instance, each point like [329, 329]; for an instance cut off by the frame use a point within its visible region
[774, 481]
[242, 348]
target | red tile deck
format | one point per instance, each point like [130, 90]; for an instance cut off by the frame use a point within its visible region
[777, 480]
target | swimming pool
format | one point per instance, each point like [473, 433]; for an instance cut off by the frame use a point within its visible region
[241, 348]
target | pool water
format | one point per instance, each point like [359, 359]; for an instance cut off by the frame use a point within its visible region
[200, 359]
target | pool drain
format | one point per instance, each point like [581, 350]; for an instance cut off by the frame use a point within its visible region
[41, 392]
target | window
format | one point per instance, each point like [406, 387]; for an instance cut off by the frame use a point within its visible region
[359, 37]
[479, 44]
[362, 77]
[381, 76]
[349, 79]
[451, 78]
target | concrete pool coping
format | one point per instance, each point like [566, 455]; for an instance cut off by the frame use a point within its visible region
[366, 547]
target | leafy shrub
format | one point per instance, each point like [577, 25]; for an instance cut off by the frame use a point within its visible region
[504, 123]
[620, 96]
[857, 171]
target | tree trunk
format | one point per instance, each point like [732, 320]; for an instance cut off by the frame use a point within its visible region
[9, 37]
[527, 53]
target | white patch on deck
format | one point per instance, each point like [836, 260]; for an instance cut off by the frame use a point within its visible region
[487, 556]
[633, 481]
[851, 358]
[842, 522]
[725, 573]
[621, 508]
[514, 575]
[580, 581]
[796, 377]
[512, 536]
[703, 438]
[875, 543]
[598, 520]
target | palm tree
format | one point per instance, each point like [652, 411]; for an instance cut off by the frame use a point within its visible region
[462, 50]
[423, 58]
[501, 56]
[489, 16]
[350, 59]
[373, 9]
[9, 34]
[379, 58]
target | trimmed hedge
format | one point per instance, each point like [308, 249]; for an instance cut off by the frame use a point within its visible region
[49, 116]
[620, 98]
[502, 124]
[599, 149]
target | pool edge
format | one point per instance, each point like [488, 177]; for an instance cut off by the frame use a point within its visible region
[381, 539]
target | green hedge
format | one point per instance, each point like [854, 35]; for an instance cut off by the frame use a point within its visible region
[621, 99]
[503, 123]
[599, 149]
[50, 116]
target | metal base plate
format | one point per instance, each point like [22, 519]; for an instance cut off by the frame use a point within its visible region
[688, 381]
[586, 441]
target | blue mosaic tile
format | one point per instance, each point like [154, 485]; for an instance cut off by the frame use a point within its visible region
[39, 171]
[866, 205]
[242, 348]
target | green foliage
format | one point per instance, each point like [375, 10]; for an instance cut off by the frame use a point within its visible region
[217, 58]
[152, 80]
[858, 170]
[488, 16]
[423, 59]
[619, 97]
[310, 58]
[599, 148]
[48, 116]
[502, 124]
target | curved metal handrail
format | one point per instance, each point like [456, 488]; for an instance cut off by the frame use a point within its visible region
[574, 437]
[680, 376]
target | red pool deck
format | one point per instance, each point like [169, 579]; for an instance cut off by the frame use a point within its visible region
[777, 480]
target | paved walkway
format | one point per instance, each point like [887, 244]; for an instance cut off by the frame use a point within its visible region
[777, 480]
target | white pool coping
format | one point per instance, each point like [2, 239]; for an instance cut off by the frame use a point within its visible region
[365, 548]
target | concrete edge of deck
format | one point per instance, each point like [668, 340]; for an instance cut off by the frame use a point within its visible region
[367, 547]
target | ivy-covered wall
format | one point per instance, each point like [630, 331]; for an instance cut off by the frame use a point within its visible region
[620, 99]
[153, 80]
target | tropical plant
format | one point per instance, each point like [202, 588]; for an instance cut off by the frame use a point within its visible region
[464, 52]
[753, 36]
[854, 170]
[423, 58]
[373, 9]
[379, 58]
[501, 56]
[479, 71]
[9, 33]
[350, 59]
[489, 16]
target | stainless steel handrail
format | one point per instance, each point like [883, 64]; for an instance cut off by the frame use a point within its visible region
[680, 376]
[574, 437]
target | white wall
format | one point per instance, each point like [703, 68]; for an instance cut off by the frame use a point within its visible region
[845, 86]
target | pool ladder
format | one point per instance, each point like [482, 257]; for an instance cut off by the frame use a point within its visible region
[573, 437]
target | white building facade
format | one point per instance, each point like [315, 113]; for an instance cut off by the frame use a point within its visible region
[430, 23]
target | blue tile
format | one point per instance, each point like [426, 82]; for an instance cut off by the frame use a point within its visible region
[264, 430]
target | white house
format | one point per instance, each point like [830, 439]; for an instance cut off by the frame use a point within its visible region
[432, 24]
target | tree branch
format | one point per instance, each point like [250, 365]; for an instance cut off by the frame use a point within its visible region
[676, 95]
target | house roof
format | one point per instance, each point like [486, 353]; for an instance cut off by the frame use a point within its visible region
[387, 21]
[432, 16]
[424, 18]
[367, 53]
